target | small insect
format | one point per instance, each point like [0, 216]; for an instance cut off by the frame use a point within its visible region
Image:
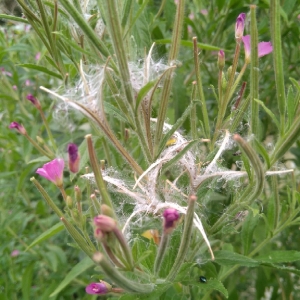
[202, 279]
[237, 153]
[172, 141]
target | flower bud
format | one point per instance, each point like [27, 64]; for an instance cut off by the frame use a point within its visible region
[98, 288]
[74, 158]
[18, 127]
[239, 26]
[34, 101]
[171, 217]
[69, 202]
[221, 59]
[105, 223]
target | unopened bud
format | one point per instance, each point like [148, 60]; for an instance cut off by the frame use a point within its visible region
[34, 101]
[239, 26]
[105, 223]
[107, 211]
[171, 217]
[229, 71]
[69, 202]
[221, 59]
[74, 158]
[18, 127]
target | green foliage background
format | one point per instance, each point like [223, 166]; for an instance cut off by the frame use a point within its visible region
[36, 272]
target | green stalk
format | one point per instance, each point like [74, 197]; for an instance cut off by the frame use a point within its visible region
[277, 60]
[200, 90]
[254, 74]
[193, 116]
[48, 129]
[226, 99]
[97, 173]
[175, 44]
[78, 238]
[285, 142]
[119, 279]
[114, 28]
[163, 245]
[47, 197]
[185, 239]
[84, 26]
[38, 148]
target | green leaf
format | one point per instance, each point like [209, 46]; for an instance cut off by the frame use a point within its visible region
[27, 281]
[211, 284]
[143, 92]
[13, 18]
[248, 230]
[262, 151]
[269, 112]
[184, 272]
[40, 69]
[291, 106]
[175, 127]
[110, 109]
[279, 256]
[189, 44]
[82, 266]
[47, 234]
[178, 156]
[228, 258]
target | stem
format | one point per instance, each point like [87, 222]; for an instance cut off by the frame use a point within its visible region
[185, 239]
[38, 148]
[164, 242]
[277, 60]
[254, 74]
[175, 44]
[114, 27]
[97, 173]
[119, 279]
[48, 129]
[224, 103]
[200, 90]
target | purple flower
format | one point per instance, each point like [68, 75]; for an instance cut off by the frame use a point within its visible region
[96, 288]
[53, 171]
[33, 100]
[74, 158]
[18, 127]
[171, 216]
[240, 25]
[264, 48]
[38, 56]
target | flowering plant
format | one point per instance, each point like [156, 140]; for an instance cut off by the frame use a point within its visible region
[142, 207]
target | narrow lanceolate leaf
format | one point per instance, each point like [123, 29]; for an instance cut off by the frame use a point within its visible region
[41, 69]
[174, 128]
[189, 44]
[81, 267]
[279, 257]
[210, 284]
[27, 282]
[47, 234]
[269, 112]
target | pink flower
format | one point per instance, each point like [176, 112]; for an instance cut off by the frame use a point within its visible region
[38, 56]
[14, 253]
[171, 216]
[53, 171]
[240, 25]
[18, 127]
[33, 100]
[74, 158]
[97, 288]
[264, 48]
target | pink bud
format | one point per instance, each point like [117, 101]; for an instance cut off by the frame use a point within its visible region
[33, 100]
[97, 288]
[221, 59]
[74, 158]
[18, 127]
[105, 223]
[240, 25]
[171, 216]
